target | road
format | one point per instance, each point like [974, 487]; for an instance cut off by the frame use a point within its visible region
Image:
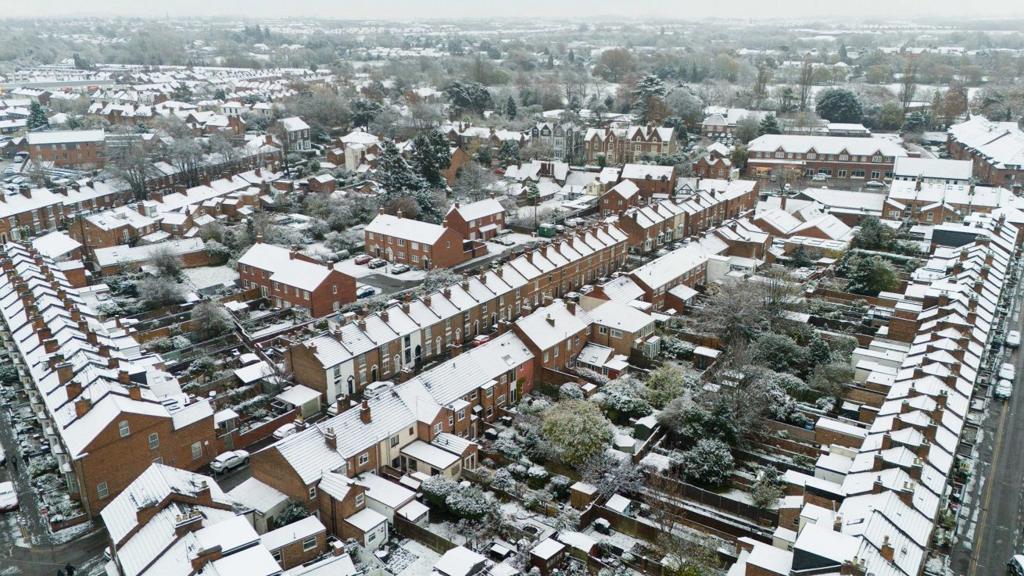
[990, 530]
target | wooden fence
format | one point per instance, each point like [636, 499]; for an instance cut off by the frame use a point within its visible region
[435, 542]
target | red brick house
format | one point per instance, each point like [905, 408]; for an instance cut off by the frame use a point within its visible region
[68, 148]
[288, 278]
[622, 196]
[413, 242]
[555, 334]
[651, 179]
[477, 220]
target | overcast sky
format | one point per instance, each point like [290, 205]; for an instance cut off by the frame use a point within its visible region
[519, 9]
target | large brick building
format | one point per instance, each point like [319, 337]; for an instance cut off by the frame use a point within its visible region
[68, 148]
[413, 242]
[291, 279]
[841, 158]
[629, 144]
[996, 150]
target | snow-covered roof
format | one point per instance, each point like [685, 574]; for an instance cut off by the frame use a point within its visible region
[405, 228]
[298, 395]
[125, 254]
[1001, 143]
[553, 324]
[258, 496]
[294, 124]
[294, 532]
[459, 561]
[800, 143]
[64, 137]
[55, 244]
[934, 168]
[366, 519]
[479, 209]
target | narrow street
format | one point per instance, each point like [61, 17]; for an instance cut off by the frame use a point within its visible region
[990, 526]
[17, 470]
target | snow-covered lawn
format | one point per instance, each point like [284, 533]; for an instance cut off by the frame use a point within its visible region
[422, 561]
[207, 276]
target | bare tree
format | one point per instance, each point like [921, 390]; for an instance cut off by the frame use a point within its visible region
[130, 162]
[806, 81]
[908, 83]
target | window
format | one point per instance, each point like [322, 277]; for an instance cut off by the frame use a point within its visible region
[364, 458]
[875, 174]
[501, 400]
[437, 428]
[602, 329]
[276, 554]
[616, 333]
[462, 414]
[394, 440]
[102, 491]
[334, 288]
[154, 441]
[490, 391]
[876, 159]
[360, 500]
[556, 351]
[197, 450]
[312, 492]
[122, 428]
[309, 544]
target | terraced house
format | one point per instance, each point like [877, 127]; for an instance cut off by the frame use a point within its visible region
[108, 408]
[883, 478]
[365, 349]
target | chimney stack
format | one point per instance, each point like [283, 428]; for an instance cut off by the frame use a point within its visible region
[331, 439]
[82, 406]
[65, 372]
[364, 412]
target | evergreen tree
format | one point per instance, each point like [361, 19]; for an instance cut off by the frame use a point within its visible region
[37, 117]
[508, 154]
[432, 156]
[914, 123]
[769, 125]
[510, 108]
[648, 97]
[839, 105]
[394, 174]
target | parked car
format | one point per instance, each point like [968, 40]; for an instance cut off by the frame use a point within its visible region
[1013, 338]
[286, 430]
[377, 263]
[365, 291]
[1004, 389]
[363, 259]
[399, 268]
[504, 241]
[8, 497]
[585, 289]
[1007, 372]
[481, 339]
[1016, 565]
[229, 461]
[820, 177]
[874, 184]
